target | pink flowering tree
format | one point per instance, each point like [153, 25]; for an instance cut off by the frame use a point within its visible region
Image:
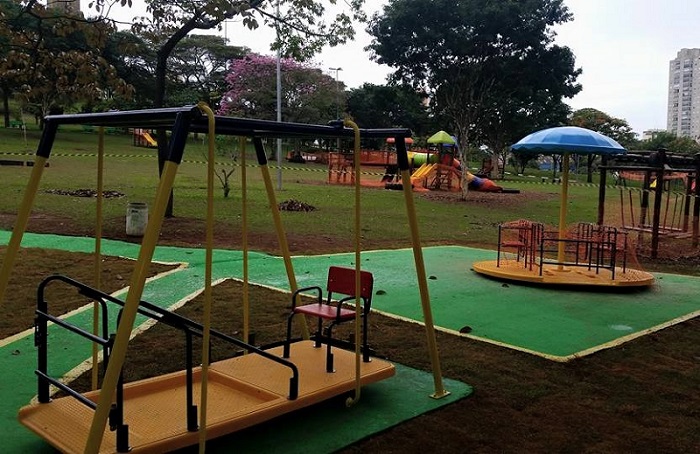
[308, 95]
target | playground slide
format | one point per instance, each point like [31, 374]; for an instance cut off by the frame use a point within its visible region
[475, 183]
[422, 172]
[149, 138]
[429, 166]
[482, 184]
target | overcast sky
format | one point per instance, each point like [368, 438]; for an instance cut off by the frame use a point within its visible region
[623, 47]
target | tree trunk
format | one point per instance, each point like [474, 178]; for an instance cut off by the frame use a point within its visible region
[589, 169]
[161, 135]
[161, 65]
[463, 135]
[6, 106]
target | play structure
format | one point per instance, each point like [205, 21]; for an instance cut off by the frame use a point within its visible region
[428, 171]
[442, 171]
[436, 169]
[585, 255]
[658, 196]
[161, 413]
[143, 138]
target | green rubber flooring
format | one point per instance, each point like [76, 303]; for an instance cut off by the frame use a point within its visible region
[559, 324]
[382, 405]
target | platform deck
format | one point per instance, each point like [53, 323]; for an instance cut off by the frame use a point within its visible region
[243, 391]
[564, 275]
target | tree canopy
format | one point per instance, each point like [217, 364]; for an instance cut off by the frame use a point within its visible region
[198, 66]
[51, 59]
[491, 69]
[671, 142]
[301, 27]
[385, 106]
[595, 120]
[615, 128]
[308, 95]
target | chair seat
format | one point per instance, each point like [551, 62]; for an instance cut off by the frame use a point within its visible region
[325, 311]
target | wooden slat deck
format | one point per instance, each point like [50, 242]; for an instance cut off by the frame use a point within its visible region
[243, 391]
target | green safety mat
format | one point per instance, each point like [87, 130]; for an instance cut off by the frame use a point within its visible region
[556, 323]
[382, 405]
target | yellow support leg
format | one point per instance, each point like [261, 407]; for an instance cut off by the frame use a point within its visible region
[25, 210]
[358, 260]
[98, 252]
[440, 391]
[282, 238]
[208, 274]
[138, 280]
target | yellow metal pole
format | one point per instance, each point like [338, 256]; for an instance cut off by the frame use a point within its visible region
[358, 261]
[137, 283]
[561, 249]
[244, 234]
[206, 335]
[23, 213]
[98, 251]
[282, 238]
[423, 286]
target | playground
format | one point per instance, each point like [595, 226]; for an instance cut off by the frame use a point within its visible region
[516, 392]
[519, 348]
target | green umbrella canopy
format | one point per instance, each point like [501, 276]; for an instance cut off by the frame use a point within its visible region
[441, 137]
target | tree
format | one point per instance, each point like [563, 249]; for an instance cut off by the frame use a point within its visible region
[481, 62]
[134, 61]
[595, 120]
[671, 142]
[301, 31]
[9, 66]
[387, 106]
[55, 60]
[308, 95]
[198, 67]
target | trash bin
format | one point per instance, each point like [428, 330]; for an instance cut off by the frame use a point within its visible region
[136, 218]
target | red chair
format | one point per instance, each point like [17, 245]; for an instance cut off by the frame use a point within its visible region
[341, 282]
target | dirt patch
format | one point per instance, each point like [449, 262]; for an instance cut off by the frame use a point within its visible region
[295, 205]
[490, 199]
[90, 193]
[33, 265]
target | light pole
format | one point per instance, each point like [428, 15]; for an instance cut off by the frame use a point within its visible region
[279, 102]
[337, 90]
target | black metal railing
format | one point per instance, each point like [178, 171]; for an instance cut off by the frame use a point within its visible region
[190, 328]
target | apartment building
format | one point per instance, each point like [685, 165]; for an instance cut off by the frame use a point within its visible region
[683, 96]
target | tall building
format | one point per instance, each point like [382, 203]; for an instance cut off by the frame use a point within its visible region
[683, 96]
[649, 134]
[67, 6]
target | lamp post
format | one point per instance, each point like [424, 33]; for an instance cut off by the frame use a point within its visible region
[279, 102]
[337, 95]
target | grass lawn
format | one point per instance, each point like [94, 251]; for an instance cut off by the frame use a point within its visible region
[639, 397]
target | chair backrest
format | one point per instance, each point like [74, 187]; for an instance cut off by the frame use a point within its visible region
[342, 280]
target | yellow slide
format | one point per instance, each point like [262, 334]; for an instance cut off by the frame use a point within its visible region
[422, 172]
[149, 138]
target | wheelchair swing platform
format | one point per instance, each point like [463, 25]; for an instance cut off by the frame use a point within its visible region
[242, 391]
